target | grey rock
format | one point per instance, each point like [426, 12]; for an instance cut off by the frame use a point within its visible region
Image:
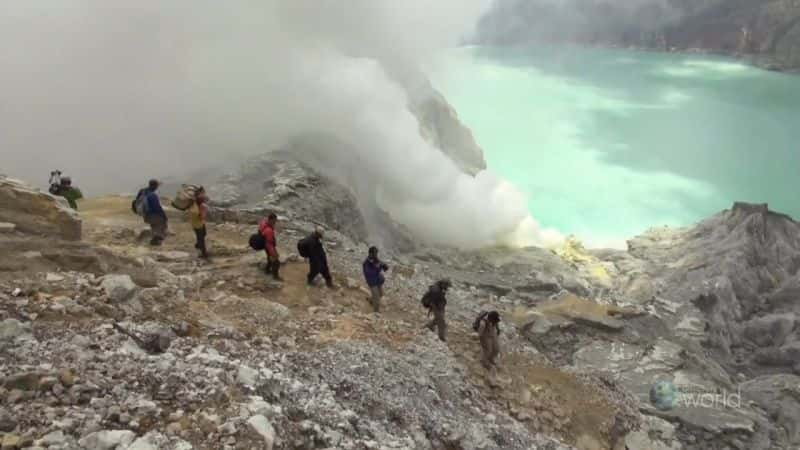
[6, 227]
[7, 422]
[263, 428]
[36, 212]
[11, 329]
[107, 439]
[119, 288]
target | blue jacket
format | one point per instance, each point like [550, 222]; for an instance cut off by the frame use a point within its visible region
[154, 205]
[373, 272]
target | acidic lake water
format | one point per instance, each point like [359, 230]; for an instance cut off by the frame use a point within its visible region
[607, 143]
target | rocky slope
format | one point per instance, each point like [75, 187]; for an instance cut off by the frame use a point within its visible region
[236, 361]
[766, 32]
[227, 359]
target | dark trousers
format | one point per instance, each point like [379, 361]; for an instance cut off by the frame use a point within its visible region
[273, 267]
[319, 266]
[158, 228]
[438, 323]
[200, 235]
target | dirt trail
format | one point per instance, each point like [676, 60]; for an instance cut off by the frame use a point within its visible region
[546, 399]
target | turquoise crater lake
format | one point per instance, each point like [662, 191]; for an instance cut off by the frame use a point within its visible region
[607, 143]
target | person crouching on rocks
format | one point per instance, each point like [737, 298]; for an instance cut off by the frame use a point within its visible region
[373, 274]
[267, 230]
[68, 191]
[198, 214]
[488, 327]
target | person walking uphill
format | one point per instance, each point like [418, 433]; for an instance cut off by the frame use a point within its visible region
[198, 213]
[373, 274]
[267, 230]
[436, 301]
[311, 248]
[148, 205]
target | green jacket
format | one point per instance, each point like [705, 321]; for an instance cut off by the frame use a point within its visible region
[72, 195]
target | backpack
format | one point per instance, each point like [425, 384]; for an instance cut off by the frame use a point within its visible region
[477, 324]
[257, 242]
[428, 298]
[139, 204]
[304, 247]
[185, 196]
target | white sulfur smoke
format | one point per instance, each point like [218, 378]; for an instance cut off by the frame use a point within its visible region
[117, 92]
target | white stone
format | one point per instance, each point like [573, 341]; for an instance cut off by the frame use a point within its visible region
[247, 376]
[107, 439]
[150, 441]
[6, 227]
[119, 288]
[173, 256]
[263, 428]
[53, 277]
[52, 439]
[80, 340]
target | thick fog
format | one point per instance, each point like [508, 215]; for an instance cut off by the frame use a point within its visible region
[114, 93]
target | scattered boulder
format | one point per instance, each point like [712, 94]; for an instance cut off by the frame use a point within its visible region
[11, 329]
[107, 440]
[119, 288]
[6, 227]
[36, 212]
[7, 422]
[261, 426]
[11, 442]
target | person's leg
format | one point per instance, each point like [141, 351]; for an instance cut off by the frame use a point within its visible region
[441, 326]
[313, 271]
[376, 298]
[275, 267]
[154, 227]
[159, 228]
[326, 273]
[201, 241]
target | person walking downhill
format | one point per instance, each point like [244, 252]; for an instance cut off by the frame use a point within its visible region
[488, 327]
[198, 215]
[435, 300]
[373, 274]
[311, 248]
[267, 230]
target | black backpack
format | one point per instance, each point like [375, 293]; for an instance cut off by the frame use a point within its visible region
[430, 297]
[304, 247]
[257, 242]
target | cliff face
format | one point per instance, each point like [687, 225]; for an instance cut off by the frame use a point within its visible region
[764, 31]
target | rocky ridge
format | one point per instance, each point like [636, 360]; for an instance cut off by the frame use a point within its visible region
[766, 33]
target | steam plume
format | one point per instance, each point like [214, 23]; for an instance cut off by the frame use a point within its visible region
[117, 92]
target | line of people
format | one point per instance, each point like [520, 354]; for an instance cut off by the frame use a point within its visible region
[487, 324]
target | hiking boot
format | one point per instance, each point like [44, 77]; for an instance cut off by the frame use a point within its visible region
[277, 278]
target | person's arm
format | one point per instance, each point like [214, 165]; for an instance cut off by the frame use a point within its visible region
[203, 213]
[78, 194]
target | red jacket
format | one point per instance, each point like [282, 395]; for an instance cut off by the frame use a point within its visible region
[269, 236]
